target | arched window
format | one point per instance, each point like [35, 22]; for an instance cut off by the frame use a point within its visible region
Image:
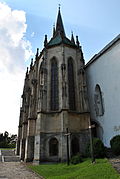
[98, 101]
[54, 85]
[71, 87]
[53, 147]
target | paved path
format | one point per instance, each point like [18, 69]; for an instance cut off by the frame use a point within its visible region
[12, 168]
[16, 170]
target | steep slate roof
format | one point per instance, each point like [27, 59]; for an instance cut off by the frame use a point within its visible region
[59, 25]
[59, 34]
[109, 45]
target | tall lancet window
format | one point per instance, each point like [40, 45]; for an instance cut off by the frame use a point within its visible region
[71, 86]
[54, 85]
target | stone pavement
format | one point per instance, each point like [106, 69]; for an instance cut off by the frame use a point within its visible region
[16, 170]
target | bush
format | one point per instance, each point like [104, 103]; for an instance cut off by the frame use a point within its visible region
[98, 149]
[3, 144]
[76, 159]
[115, 144]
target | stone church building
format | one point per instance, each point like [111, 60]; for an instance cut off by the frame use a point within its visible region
[54, 101]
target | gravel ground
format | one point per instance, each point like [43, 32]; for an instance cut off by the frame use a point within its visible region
[115, 163]
[16, 170]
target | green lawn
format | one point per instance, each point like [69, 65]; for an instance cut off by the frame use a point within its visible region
[85, 170]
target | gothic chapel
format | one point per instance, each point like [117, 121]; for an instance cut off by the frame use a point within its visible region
[54, 99]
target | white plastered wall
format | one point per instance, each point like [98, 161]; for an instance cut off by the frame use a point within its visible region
[105, 71]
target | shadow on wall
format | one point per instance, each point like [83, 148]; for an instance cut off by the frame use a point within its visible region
[97, 130]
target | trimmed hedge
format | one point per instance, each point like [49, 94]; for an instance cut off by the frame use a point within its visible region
[115, 144]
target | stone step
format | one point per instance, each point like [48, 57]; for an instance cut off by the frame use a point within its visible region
[8, 152]
[11, 159]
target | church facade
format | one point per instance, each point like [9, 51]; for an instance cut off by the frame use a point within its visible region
[54, 101]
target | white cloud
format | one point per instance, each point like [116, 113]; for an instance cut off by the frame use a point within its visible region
[14, 50]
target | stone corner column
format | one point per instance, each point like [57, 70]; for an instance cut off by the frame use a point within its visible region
[29, 146]
[37, 150]
[23, 140]
[37, 143]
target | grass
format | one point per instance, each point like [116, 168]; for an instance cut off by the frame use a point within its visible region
[102, 169]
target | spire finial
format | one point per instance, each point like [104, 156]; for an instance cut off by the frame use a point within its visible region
[59, 6]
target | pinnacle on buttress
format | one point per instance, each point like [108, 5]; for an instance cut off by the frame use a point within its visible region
[53, 30]
[72, 38]
[37, 53]
[45, 41]
[77, 41]
[31, 63]
[27, 72]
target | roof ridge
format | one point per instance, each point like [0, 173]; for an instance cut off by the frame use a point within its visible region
[103, 50]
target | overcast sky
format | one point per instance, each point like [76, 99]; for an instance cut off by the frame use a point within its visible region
[23, 25]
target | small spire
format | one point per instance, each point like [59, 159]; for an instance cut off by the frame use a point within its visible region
[45, 41]
[53, 30]
[77, 41]
[31, 65]
[72, 38]
[59, 24]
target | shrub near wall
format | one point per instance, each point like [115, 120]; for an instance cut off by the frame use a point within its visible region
[76, 159]
[98, 149]
[115, 144]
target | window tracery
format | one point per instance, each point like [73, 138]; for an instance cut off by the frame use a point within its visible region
[71, 86]
[54, 85]
[98, 101]
[53, 147]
